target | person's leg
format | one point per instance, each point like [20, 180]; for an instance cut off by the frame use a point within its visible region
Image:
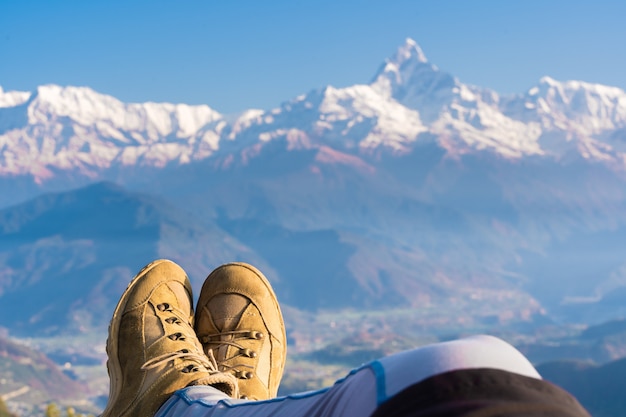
[382, 382]
[470, 353]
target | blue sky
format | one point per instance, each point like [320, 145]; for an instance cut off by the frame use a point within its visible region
[234, 55]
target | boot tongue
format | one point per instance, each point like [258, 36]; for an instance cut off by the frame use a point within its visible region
[226, 310]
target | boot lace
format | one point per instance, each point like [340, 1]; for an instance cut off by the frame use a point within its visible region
[197, 360]
[218, 340]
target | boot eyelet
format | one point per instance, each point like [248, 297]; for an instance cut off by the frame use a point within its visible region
[247, 352]
[244, 375]
[189, 369]
[255, 335]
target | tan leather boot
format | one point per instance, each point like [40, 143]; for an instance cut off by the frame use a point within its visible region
[152, 347]
[239, 323]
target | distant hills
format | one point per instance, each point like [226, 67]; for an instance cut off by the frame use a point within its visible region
[599, 388]
[29, 377]
[67, 257]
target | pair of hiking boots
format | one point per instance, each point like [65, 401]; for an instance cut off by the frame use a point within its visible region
[235, 342]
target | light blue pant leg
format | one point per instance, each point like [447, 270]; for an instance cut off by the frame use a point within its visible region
[353, 395]
[364, 388]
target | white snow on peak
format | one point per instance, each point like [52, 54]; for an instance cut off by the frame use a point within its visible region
[410, 51]
[403, 66]
[78, 128]
[580, 107]
[87, 107]
[81, 104]
[573, 117]
[478, 118]
[547, 80]
[417, 84]
[357, 117]
[13, 98]
[243, 121]
[533, 91]
[362, 113]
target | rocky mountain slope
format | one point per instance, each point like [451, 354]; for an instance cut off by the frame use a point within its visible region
[28, 378]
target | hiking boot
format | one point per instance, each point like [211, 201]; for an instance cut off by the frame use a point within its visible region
[239, 323]
[152, 348]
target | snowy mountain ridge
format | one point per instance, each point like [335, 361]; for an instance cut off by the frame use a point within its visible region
[12, 98]
[409, 101]
[76, 127]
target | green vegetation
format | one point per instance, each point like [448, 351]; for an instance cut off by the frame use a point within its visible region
[51, 410]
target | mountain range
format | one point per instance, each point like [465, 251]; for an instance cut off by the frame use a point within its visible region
[412, 191]
[409, 103]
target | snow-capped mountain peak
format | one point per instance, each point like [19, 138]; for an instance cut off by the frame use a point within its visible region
[410, 79]
[410, 51]
[87, 107]
[408, 62]
[77, 128]
[409, 99]
[586, 108]
[13, 98]
[352, 118]
[81, 104]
